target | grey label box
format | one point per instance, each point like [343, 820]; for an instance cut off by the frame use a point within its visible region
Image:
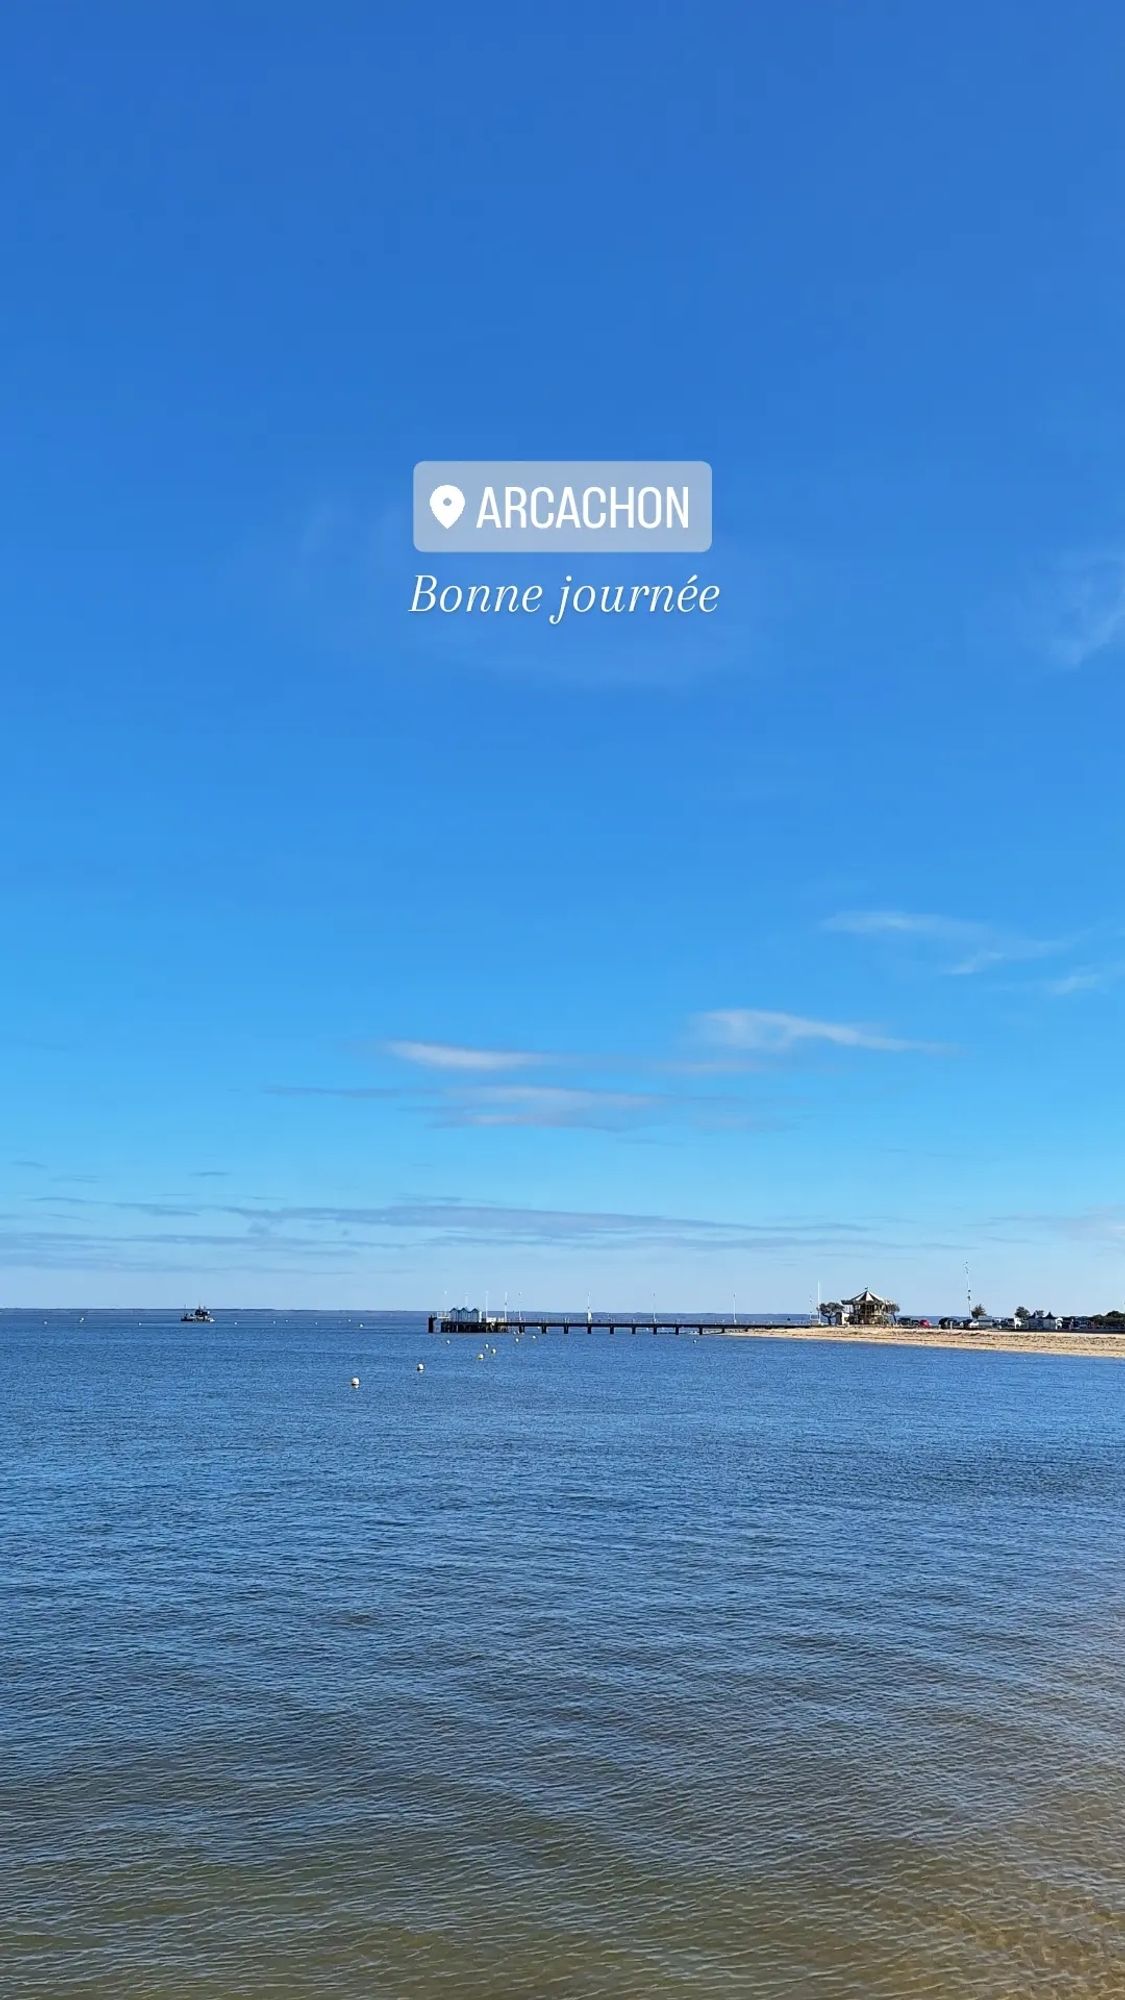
[561, 506]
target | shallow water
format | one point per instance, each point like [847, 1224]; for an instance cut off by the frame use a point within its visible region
[623, 1667]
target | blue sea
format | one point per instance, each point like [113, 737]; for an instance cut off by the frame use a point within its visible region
[603, 1668]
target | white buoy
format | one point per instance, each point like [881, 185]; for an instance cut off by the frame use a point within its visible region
[355, 1381]
[480, 1357]
[421, 1368]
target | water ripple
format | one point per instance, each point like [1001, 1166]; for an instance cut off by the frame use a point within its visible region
[623, 1669]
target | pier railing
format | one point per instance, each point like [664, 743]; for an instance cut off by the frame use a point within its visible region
[578, 1323]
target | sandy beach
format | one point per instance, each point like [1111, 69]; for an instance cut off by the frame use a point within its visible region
[1103, 1346]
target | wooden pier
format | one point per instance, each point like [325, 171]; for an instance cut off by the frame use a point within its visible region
[581, 1323]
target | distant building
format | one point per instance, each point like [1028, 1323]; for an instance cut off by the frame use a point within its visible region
[866, 1309]
[464, 1319]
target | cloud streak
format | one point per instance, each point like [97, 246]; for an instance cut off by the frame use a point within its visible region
[210, 1238]
[550, 1107]
[1102, 1227]
[453, 1056]
[1086, 616]
[544, 1106]
[901, 923]
[978, 946]
[761, 1031]
[1085, 979]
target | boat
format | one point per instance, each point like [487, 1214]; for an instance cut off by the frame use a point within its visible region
[200, 1317]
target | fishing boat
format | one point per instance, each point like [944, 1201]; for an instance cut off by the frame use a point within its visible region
[200, 1317]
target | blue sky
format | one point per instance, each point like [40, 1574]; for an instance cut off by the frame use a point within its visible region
[354, 959]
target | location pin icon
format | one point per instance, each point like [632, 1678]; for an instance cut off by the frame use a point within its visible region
[447, 504]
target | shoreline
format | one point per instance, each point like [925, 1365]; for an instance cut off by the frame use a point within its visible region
[1084, 1346]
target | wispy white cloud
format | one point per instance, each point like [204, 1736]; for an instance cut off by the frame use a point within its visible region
[1085, 979]
[761, 1031]
[901, 923]
[265, 1235]
[467, 1085]
[359, 1091]
[548, 1106]
[978, 946]
[1102, 1226]
[1085, 611]
[598, 1110]
[542, 1105]
[452, 1056]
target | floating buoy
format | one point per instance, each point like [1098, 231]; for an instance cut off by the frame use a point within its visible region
[355, 1381]
[421, 1368]
[480, 1357]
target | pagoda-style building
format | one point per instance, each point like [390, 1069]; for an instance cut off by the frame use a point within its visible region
[866, 1309]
